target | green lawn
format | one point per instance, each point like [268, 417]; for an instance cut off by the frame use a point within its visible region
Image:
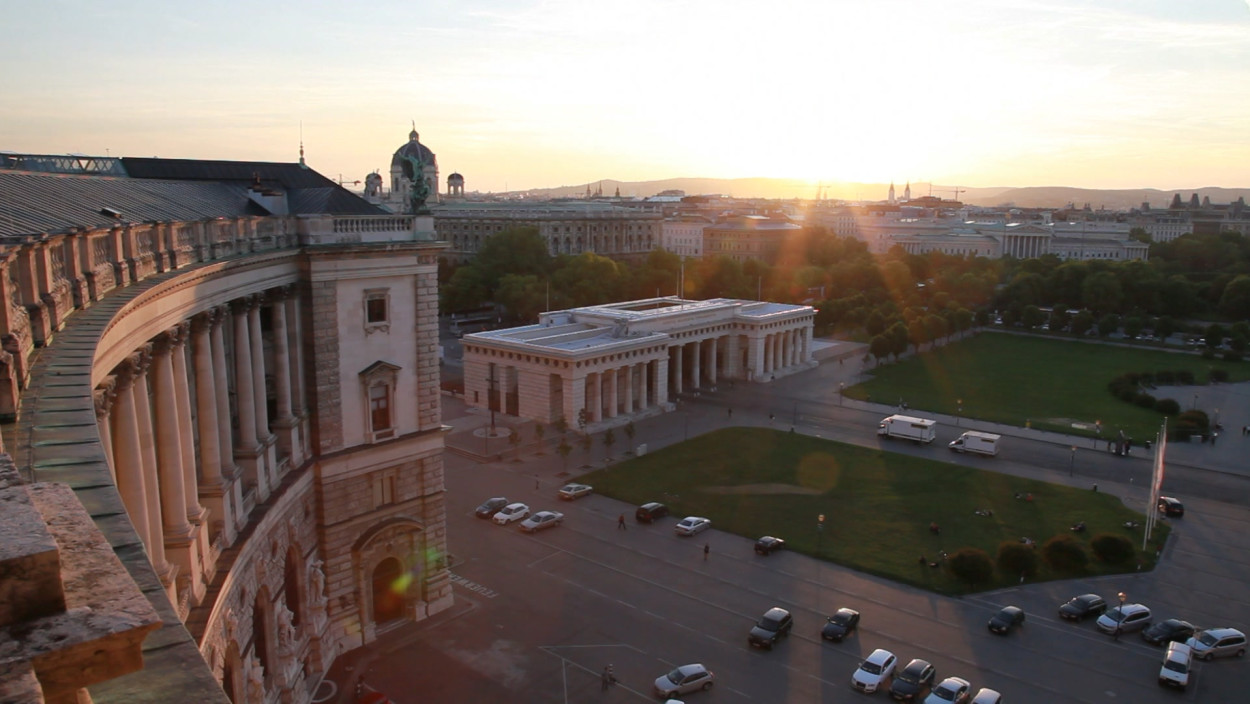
[1021, 380]
[877, 505]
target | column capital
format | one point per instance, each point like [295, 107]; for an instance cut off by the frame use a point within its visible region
[163, 343]
[104, 395]
[203, 322]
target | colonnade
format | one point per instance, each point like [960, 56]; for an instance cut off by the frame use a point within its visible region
[192, 447]
[625, 390]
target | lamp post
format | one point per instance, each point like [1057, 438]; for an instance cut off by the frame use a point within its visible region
[820, 532]
[1121, 595]
[841, 391]
[959, 403]
[1072, 466]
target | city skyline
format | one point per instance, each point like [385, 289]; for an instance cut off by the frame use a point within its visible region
[1110, 94]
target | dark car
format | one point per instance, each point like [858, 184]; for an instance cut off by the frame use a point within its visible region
[767, 544]
[648, 512]
[1006, 619]
[1172, 630]
[773, 625]
[840, 625]
[490, 507]
[1082, 607]
[912, 680]
[1169, 506]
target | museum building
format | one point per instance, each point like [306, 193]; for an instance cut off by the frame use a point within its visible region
[223, 443]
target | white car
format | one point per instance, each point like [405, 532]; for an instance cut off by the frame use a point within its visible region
[1176, 664]
[511, 512]
[691, 525]
[541, 520]
[683, 680]
[985, 695]
[875, 671]
[568, 492]
[952, 690]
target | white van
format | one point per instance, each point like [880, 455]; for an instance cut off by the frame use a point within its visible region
[1176, 663]
[908, 428]
[977, 443]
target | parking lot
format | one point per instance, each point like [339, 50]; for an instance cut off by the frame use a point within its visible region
[538, 617]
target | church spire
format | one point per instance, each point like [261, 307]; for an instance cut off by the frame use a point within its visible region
[301, 145]
[890, 200]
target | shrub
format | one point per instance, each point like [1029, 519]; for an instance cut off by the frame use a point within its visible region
[1112, 548]
[1165, 377]
[1218, 376]
[1065, 553]
[1144, 400]
[1017, 558]
[972, 565]
[1167, 406]
[1184, 378]
[1193, 421]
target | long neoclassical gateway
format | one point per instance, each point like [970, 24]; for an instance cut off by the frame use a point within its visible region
[626, 360]
[219, 384]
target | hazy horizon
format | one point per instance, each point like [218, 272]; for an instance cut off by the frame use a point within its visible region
[1107, 94]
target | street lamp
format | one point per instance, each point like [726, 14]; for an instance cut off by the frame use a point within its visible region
[1072, 466]
[959, 402]
[1120, 620]
[820, 531]
[841, 391]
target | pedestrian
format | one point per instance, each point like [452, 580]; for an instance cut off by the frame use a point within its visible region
[535, 485]
[706, 549]
[1214, 436]
[607, 679]
[731, 413]
[620, 522]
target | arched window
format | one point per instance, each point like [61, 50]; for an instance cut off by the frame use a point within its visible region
[290, 587]
[260, 633]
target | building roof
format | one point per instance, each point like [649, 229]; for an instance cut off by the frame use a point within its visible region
[413, 147]
[161, 190]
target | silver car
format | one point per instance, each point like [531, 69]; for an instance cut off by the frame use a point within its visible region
[683, 680]
[691, 525]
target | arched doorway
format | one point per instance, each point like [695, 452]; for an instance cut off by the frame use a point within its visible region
[389, 588]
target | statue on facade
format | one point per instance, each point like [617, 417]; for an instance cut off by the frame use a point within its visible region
[414, 171]
[317, 581]
[286, 629]
[255, 681]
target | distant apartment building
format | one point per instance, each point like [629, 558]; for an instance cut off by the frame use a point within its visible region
[683, 236]
[747, 237]
[569, 227]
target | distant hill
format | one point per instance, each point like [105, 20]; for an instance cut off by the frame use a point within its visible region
[783, 189]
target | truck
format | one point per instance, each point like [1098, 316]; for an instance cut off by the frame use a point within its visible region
[976, 442]
[917, 430]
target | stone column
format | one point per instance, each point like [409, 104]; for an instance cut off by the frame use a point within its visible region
[285, 423]
[186, 431]
[169, 442]
[613, 383]
[259, 396]
[105, 396]
[696, 364]
[712, 345]
[247, 447]
[629, 389]
[643, 380]
[128, 453]
[151, 482]
[211, 484]
[677, 369]
[594, 396]
[807, 344]
[231, 473]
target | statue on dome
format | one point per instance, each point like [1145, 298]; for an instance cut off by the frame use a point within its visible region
[414, 171]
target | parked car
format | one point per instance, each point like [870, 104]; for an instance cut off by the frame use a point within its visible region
[985, 695]
[874, 671]
[1169, 506]
[1006, 619]
[691, 525]
[1176, 664]
[512, 512]
[541, 520]
[1124, 619]
[1218, 642]
[648, 512]
[952, 690]
[1082, 607]
[683, 680]
[913, 680]
[568, 492]
[774, 625]
[1172, 630]
[840, 625]
[490, 507]
[767, 544]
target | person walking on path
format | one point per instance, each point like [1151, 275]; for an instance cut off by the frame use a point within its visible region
[620, 522]
[607, 679]
[706, 548]
[731, 413]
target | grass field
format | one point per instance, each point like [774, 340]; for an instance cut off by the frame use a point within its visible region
[1048, 384]
[877, 505]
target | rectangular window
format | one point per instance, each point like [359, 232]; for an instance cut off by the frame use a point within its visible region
[375, 310]
[380, 410]
[383, 485]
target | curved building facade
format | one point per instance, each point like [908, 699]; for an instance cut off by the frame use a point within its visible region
[233, 382]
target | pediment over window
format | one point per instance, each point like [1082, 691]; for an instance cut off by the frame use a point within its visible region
[379, 370]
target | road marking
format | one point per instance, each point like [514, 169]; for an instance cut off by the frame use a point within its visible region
[473, 586]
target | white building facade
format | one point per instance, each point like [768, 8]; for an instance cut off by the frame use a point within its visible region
[607, 364]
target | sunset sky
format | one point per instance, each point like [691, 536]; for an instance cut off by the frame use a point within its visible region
[514, 95]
